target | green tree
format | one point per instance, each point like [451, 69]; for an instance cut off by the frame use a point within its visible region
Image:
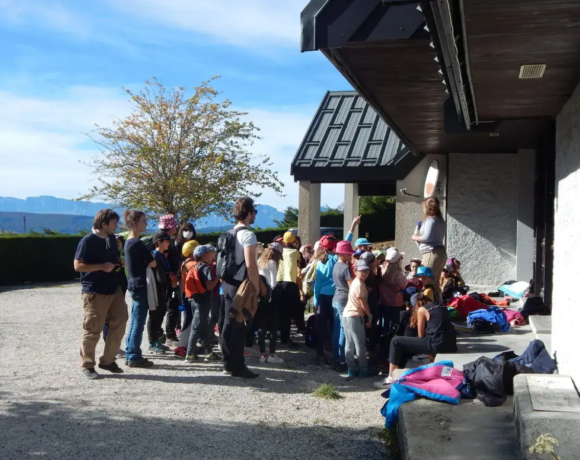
[179, 154]
[290, 219]
[375, 204]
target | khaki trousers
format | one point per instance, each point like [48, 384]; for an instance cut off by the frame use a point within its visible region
[435, 260]
[99, 308]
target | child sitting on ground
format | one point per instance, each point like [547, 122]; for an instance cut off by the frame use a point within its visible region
[199, 285]
[354, 322]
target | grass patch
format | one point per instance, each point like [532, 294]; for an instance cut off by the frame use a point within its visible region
[319, 421]
[327, 391]
[390, 438]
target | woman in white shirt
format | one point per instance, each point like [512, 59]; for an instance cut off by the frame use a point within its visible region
[267, 315]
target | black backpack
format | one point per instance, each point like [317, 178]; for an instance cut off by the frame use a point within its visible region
[226, 267]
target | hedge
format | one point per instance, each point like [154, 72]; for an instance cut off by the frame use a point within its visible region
[39, 258]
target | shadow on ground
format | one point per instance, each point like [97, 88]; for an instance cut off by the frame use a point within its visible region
[55, 430]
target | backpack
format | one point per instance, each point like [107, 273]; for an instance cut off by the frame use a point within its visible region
[185, 267]
[226, 267]
[311, 332]
[193, 284]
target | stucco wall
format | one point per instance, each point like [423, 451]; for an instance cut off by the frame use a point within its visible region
[482, 211]
[565, 307]
[409, 209]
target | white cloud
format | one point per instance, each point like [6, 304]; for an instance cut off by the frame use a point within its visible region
[255, 23]
[251, 23]
[42, 142]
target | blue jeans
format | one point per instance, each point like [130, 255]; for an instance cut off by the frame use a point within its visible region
[137, 325]
[338, 337]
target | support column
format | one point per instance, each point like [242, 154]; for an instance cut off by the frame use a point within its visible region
[526, 206]
[308, 212]
[350, 207]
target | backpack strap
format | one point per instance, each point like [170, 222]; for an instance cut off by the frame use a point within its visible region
[234, 231]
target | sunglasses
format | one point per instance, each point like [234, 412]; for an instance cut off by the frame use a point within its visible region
[255, 212]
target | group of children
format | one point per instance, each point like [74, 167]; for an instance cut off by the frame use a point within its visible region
[365, 297]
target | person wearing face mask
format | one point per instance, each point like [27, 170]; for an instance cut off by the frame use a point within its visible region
[185, 233]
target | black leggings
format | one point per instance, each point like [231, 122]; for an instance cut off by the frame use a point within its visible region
[267, 319]
[403, 347]
[290, 306]
[155, 323]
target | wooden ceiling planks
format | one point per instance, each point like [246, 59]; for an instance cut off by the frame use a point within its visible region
[502, 35]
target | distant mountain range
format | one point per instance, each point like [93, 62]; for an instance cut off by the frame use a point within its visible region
[68, 216]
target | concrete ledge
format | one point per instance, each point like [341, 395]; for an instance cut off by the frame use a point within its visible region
[541, 324]
[431, 430]
[547, 404]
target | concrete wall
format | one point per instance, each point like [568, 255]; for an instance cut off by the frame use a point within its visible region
[482, 213]
[409, 209]
[565, 304]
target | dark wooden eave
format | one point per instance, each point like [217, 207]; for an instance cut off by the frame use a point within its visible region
[390, 60]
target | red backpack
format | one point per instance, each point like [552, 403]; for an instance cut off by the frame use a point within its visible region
[193, 284]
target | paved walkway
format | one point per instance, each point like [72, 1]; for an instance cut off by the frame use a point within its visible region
[174, 411]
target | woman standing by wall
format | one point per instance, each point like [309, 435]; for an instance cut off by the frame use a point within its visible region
[432, 234]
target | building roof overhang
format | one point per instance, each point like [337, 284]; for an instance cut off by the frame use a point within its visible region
[444, 74]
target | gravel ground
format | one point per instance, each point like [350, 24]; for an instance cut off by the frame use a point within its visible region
[173, 411]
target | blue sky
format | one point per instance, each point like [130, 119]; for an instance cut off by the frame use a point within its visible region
[64, 63]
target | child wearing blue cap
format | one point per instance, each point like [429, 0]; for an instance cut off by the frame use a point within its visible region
[199, 288]
[362, 245]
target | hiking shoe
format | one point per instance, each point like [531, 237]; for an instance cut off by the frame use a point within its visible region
[91, 373]
[273, 359]
[142, 363]
[211, 357]
[384, 384]
[121, 353]
[111, 368]
[155, 349]
[190, 358]
[246, 374]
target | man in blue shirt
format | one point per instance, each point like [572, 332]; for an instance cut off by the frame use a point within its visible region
[96, 258]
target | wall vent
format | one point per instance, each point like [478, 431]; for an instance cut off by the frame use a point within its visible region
[532, 70]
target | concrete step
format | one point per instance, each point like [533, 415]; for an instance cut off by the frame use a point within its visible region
[547, 404]
[542, 329]
[470, 430]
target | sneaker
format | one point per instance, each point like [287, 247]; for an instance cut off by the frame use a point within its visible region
[250, 351]
[142, 363]
[340, 367]
[246, 374]
[111, 368]
[263, 359]
[363, 373]
[91, 373]
[163, 347]
[180, 352]
[273, 359]
[190, 358]
[211, 357]
[384, 384]
[171, 343]
[121, 353]
[352, 373]
[155, 349]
